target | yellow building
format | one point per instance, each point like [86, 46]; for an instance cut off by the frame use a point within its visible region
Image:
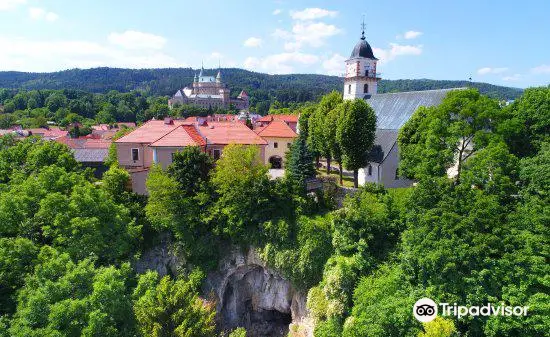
[279, 137]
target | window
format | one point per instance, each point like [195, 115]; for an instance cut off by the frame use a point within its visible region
[135, 154]
[369, 170]
[366, 88]
[217, 154]
[275, 145]
[288, 145]
[349, 89]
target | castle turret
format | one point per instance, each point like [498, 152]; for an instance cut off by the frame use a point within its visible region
[219, 76]
[361, 79]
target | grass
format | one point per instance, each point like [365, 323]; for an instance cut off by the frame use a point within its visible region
[347, 181]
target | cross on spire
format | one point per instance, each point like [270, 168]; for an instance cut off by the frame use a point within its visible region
[363, 28]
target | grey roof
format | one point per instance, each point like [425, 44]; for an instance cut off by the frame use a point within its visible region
[90, 155]
[383, 143]
[363, 49]
[393, 110]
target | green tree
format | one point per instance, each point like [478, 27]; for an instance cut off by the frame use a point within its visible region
[63, 298]
[439, 327]
[435, 138]
[325, 126]
[165, 308]
[299, 162]
[355, 134]
[17, 257]
[240, 179]
[191, 169]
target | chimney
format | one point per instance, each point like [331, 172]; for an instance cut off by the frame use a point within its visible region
[168, 121]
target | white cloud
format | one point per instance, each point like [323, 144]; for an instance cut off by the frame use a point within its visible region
[281, 34]
[395, 50]
[132, 39]
[334, 65]
[37, 13]
[53, 55]
[513, 78]
[489, 70]
[411, 34]
[312, 34]
[253, 42]
[277, 11]
[312, 14]
[542, 69]
[6, 5]
[282, 63]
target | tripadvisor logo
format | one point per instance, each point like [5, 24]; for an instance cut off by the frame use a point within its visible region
[425, 310]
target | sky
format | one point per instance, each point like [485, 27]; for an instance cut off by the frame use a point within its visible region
[501, 42]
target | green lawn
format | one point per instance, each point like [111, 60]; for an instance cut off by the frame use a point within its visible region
[347, 181]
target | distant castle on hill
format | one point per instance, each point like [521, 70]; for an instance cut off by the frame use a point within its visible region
[209, 92]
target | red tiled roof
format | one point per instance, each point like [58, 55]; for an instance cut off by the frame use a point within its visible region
[51, 133]
[149, 132]
[84, 142]
[223, 133]
[183, 135]
[285, 118]
[276, 128]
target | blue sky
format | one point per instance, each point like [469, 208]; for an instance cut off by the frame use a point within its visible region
[500, 42]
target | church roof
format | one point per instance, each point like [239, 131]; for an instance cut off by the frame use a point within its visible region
[362, 49]
[394, 109]
[383, 142]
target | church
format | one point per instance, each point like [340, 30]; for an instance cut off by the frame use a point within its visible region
[392, 111]
[209, 92]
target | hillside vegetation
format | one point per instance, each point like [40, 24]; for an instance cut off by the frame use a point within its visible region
[261, 87]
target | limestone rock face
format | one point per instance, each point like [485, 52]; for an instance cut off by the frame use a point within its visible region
[251, 295]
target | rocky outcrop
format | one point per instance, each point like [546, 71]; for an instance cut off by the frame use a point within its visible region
[251, 295]
[246, 291]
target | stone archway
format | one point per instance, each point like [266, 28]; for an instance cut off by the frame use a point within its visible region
[276, 162]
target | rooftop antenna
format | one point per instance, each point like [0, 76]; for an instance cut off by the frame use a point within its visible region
[363, 28]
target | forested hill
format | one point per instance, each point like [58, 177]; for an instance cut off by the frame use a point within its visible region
[261, 87]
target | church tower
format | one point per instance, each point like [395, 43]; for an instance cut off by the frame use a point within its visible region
[361, 79]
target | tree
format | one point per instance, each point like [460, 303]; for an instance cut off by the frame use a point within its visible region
[166, 308]
[326, 126]
[355, 134]
[240, 179]
[63, 298]
[525, 123]
[191, 169]
[439, 327]
[435, 138]
[17, 257]
[299, 162]
[332, 121]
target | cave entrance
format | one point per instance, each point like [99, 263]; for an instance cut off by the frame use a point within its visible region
[257, 300]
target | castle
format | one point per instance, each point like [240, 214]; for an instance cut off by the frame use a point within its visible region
[209, 92]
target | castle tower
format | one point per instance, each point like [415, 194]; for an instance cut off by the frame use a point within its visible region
[361, 79]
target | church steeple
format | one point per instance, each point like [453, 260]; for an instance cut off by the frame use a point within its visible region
[361, 78]
[202, 69]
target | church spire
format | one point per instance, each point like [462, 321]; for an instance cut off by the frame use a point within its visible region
[363, 28]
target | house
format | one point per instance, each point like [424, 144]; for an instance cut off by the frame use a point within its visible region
[107, 131]
[89, 151]
[49, 133]
[156, 141]
[392, 111]
[279, 137]
[290, 120]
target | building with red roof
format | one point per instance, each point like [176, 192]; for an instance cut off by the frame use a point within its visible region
[279, 137]
[290, 120]
[156, 141]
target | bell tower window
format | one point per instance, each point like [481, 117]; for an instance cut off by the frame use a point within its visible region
[349, 89]
[366, 88]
